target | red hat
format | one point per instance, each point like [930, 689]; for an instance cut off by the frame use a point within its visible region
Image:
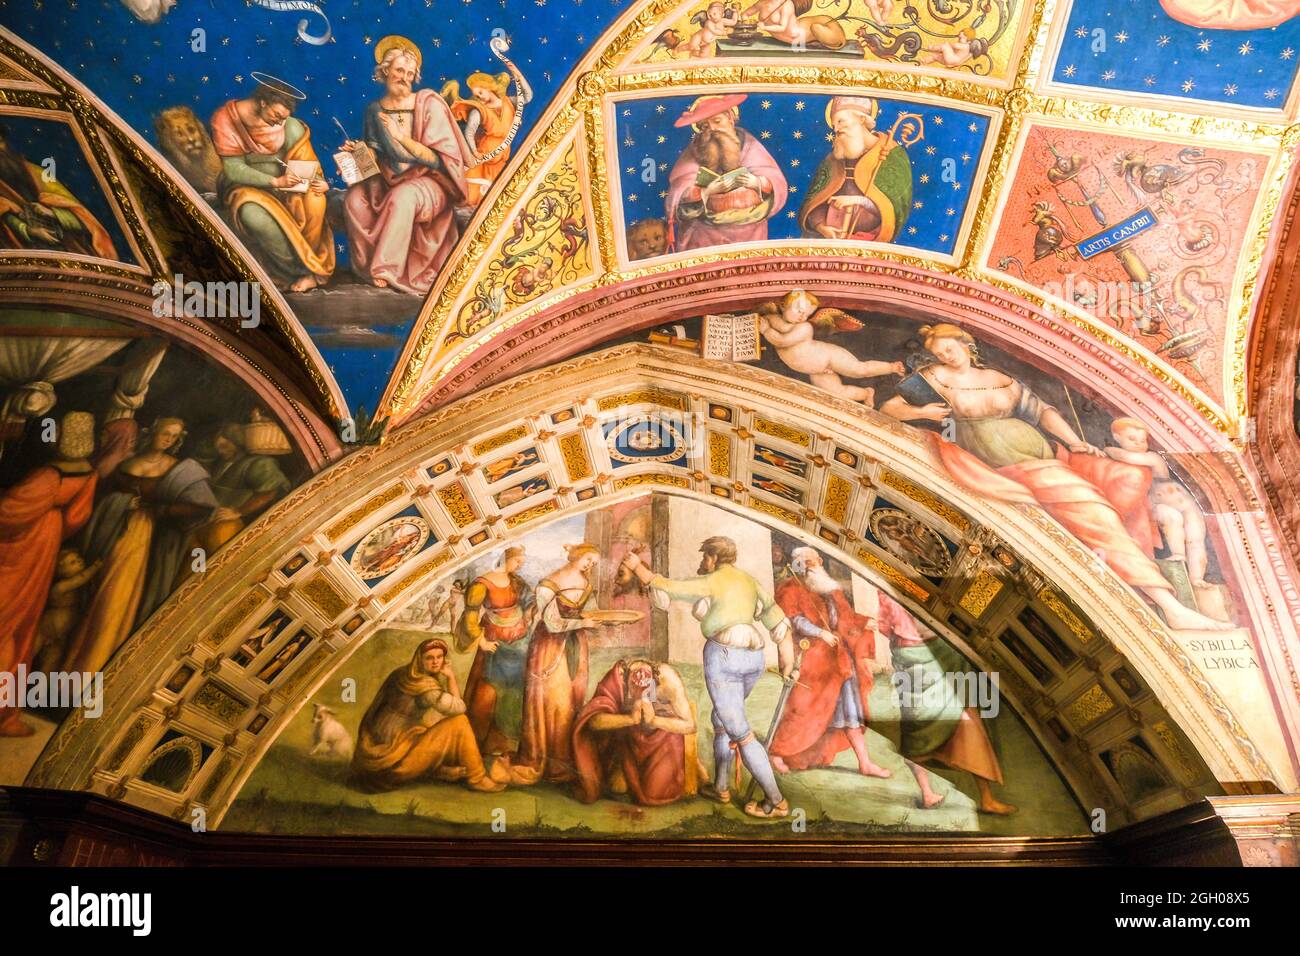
[707, 106]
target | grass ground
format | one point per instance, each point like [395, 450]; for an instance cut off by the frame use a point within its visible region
[290, 792]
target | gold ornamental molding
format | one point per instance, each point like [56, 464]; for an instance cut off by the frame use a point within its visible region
[121, 157]
[432, 465]
[606, 74]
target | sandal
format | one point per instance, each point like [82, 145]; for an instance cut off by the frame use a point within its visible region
[710, 792]
[765, 811]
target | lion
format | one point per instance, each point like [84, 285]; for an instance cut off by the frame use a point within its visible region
[185, 141]
[647, 238]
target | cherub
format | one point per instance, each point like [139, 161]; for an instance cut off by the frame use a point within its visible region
[1175, 511]
[62, 608]
[715, 22]
[962, 48]
[791, 326]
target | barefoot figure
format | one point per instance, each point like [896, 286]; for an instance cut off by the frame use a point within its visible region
[935, 724]
[791, 326]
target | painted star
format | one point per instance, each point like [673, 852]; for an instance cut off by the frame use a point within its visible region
[925, 178]
[1162, 40]
[1108, 75]
[1188, 86]
[794, 164]
[1121, 37]
[799, 105]
[1246, 49]
[766, 104]
[1204, 45]
[1287, 53]
[797, 134]
[765, 134]
[1070, 70]
[1081, 31]
[1271, 93]
[1230, 89]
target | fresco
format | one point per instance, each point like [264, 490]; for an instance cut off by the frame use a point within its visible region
[737, 167]
[126, 462]
[568, 690]
[1144, 235]
[51, 201]
[259, 117]
[1238, 54]
[1006, 430]
[967, 39]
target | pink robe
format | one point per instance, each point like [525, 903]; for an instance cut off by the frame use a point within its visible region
[402, 224]
[696, 233]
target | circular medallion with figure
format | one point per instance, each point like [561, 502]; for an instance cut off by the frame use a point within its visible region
[910, 540]
[384, 549]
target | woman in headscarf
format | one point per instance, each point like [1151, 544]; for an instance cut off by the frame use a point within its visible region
[416, 728]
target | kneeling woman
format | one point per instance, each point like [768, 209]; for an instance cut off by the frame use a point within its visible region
[416, 729]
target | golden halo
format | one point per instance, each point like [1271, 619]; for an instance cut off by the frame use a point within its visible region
[396, 41]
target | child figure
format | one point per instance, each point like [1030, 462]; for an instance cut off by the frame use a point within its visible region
[716, 21]
[791, 325]
[1175, 511]
[62, 609]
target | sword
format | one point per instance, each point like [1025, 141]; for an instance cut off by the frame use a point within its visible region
[787, 683]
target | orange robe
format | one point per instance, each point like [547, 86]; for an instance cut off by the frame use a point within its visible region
[36, 516]
[403, 738]
[494, 126]
[552, 692]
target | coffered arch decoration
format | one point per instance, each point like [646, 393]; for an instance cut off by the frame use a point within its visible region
[1037, 165]
[133, 230]
[178, 679]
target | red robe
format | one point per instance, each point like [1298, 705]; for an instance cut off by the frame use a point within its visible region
[1125, 487]
[36, 516]
[805, 738]
[653, 762]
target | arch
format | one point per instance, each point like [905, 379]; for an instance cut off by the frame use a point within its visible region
[295, 557]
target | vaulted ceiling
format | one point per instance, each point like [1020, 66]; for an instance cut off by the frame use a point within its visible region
[1102, 192]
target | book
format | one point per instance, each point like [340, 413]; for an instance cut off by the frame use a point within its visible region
[732, 338]
[915, 390]
[304, 169]
[357, 164]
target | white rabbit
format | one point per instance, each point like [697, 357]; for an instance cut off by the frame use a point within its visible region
[331, 737]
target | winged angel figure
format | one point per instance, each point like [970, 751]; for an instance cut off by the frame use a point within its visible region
[792, 327]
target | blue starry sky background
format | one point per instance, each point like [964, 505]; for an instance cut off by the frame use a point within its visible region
[793, 129]
[1146, 51]
[139, 69]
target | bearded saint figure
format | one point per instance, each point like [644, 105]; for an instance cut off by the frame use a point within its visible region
[725, 186]
[863, 189]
